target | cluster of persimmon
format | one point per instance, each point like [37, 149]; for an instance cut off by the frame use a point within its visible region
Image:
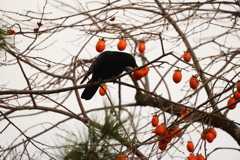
[209, 134]
[236, 96]
[166, 135]
[177, 75]
[138, 74]
[121, 45]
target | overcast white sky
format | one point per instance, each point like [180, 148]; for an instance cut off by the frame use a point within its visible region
[11, 74]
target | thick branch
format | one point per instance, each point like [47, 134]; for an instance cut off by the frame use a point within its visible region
[217, 120]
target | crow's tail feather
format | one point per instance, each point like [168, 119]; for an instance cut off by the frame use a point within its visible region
[89, 92]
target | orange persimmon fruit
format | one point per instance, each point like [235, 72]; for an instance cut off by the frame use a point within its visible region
[100, 46]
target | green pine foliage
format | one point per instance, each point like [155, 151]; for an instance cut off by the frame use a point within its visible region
[96, 143]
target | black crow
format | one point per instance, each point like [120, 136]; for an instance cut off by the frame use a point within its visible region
[107, 65]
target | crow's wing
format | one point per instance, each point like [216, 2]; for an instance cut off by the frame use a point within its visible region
[101, 59]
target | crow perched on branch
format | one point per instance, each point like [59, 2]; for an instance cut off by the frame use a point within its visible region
[107, 65]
